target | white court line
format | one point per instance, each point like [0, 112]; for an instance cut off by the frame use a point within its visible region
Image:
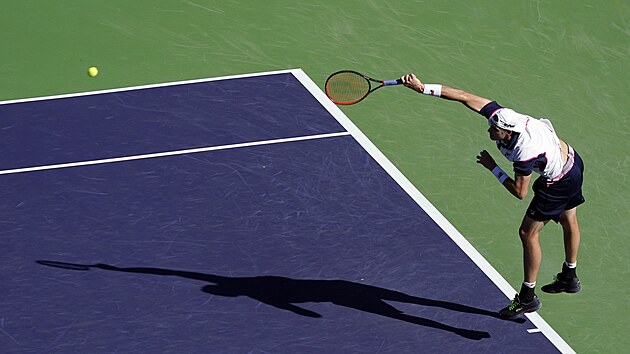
[133, 88]
[171, 153]
[160, 154]
[424, 203]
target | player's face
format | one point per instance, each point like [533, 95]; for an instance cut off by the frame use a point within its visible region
[497, 133]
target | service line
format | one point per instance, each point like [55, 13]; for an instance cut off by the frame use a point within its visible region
[171, 153]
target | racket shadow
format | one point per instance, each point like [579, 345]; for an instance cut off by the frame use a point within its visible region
[64, 265]
[286, 293]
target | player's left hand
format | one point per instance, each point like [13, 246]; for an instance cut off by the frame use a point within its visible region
[486, 160]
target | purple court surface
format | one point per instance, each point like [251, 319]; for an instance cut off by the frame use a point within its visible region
[243, 214]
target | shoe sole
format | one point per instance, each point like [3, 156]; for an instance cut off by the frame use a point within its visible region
[568, 291]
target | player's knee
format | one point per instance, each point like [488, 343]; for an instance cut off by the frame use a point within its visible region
[526, 234]
[568, 220]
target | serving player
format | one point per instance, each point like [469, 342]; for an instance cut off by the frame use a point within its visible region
[533, 147]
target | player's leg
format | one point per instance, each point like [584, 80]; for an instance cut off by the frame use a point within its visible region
[529, 233]
[526, 300]
[567, 280]
[569, 185]
[571, 230]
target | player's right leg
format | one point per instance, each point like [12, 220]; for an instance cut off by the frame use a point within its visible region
[526, 300]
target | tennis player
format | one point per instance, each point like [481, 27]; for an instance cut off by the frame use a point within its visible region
[532, 146]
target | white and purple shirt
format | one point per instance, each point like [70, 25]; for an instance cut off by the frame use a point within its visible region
[536, 149]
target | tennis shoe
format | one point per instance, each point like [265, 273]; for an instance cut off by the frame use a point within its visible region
[519, 308]
[561, 284]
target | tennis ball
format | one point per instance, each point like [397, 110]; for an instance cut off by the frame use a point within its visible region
[93, 71]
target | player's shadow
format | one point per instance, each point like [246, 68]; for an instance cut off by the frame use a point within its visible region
[284, 293]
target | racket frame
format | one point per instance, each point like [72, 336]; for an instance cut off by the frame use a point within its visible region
[367, 78]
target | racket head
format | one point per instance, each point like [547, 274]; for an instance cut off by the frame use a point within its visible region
[347, 87]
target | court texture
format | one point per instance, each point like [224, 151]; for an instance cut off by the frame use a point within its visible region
[201, 194]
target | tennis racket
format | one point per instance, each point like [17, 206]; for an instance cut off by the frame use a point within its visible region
[348, 87]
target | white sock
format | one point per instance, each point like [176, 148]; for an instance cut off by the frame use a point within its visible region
[570, 265]
[529, 285]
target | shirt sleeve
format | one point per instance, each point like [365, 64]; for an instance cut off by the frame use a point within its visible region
[526, 167]
[489, 109]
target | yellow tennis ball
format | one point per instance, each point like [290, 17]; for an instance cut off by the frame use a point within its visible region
[93, 71]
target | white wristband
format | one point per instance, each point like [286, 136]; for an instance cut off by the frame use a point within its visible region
[432, 89]
[499, 174]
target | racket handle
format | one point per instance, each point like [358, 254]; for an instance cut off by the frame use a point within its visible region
[392, 82]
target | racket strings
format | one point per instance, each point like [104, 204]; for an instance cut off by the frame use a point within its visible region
[347, 87]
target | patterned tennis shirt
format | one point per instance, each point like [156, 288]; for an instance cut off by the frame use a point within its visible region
[536, 149]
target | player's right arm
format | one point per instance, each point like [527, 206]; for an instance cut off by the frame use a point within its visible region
[474, 102]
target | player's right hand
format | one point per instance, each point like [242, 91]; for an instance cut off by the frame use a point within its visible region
[411, 81]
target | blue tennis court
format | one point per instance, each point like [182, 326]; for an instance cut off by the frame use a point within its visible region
[229, 215]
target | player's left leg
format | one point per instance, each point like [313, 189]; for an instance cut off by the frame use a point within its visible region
[571, 230]
[567, 281]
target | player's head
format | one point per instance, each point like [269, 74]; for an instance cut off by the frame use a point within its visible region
[507, 119]
[504, 122]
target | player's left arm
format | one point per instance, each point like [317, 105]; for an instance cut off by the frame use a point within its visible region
[518, 186]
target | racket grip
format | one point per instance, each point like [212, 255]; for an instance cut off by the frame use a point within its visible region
[392, 82]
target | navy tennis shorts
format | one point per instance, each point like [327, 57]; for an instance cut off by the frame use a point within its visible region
[550, 200]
